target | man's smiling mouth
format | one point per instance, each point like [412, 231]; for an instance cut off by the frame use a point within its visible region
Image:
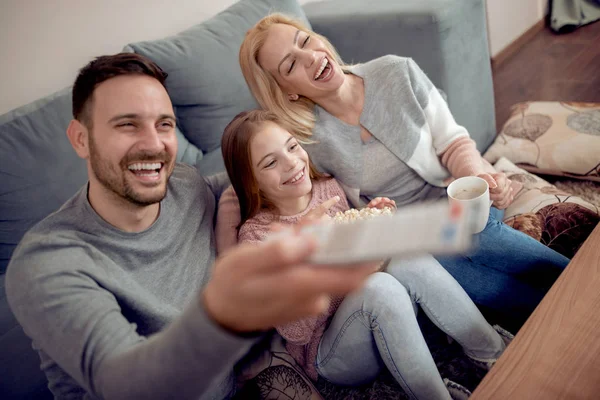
[146, 169]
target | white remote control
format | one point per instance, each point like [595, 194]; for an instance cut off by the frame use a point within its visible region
[433, 228]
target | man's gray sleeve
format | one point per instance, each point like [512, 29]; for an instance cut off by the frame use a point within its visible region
[79, 325]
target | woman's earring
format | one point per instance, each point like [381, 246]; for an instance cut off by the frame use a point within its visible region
[293, 97]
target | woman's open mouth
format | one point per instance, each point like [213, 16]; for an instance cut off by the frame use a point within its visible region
[324, 71]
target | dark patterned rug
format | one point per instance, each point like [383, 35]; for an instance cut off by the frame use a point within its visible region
[587, 190]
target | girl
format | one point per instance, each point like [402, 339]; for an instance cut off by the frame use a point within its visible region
[382, 129]
[348, 344]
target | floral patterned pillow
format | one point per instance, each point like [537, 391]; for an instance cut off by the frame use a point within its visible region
[558, 219]
[553, 138]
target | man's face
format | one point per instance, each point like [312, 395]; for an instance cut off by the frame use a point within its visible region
[132, 143]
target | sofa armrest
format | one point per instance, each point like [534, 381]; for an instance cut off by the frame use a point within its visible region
[447, 39]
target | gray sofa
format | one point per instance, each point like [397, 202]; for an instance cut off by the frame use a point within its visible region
[40, 171]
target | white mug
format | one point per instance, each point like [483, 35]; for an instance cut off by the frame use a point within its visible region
[473, 193]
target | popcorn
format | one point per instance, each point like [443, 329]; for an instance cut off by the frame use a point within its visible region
[353, 215]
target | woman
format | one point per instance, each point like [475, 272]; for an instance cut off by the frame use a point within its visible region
[382, 129]
[277, 183]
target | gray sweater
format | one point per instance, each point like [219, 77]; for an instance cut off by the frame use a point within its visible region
[403, 110]
[397, 182]
[117, 315]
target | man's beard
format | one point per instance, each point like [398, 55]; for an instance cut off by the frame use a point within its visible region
[116, 180]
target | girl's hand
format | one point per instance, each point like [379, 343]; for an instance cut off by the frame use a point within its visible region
[501, 192]
[319, 213]
[381, 203]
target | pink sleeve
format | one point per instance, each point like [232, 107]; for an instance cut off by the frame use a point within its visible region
[252, 231]
[462, 158]
[298, 332]
[228, 218]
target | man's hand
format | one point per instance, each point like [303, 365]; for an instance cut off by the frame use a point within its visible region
[381, 203]
[256, 287]
[500, 189]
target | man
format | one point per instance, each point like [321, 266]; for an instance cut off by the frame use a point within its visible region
[114, 287]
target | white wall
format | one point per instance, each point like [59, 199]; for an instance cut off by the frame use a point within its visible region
[543, 7]
[509, 19]
[43, 43]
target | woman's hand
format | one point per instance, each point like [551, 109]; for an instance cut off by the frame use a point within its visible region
[501, 192]
[381, 203]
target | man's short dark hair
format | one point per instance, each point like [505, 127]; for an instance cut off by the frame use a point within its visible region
[104, 68]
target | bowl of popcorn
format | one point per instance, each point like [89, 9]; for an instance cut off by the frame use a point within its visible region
[353, 215]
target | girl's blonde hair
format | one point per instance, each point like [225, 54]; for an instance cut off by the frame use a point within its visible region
[297, 115]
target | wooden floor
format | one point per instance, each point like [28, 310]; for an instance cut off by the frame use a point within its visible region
[550, 67]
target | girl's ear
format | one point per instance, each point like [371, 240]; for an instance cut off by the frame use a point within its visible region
[293, 97]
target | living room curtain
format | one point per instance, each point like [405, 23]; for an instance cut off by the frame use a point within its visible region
[567, 15]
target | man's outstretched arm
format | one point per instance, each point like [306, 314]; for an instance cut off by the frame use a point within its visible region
[80, 325]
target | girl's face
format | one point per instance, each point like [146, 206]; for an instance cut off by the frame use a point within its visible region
[300, 62]
[279, 164]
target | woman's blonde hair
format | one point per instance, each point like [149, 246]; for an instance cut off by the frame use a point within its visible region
[297, 116]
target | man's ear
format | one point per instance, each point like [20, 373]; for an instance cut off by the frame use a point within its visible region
[293, 97]
[78, 135]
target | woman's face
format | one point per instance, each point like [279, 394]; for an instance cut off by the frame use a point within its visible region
[279, 164]
[300, 62]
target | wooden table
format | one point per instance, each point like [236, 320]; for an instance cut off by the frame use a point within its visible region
[556, 354]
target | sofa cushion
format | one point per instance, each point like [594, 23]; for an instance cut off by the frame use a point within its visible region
[558, 219]
[205, 81]
[187, 152]
[39, 168]
[552, 138]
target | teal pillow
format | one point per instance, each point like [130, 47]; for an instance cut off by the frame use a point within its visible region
[39, 168]
[187, 152]
[205, 81]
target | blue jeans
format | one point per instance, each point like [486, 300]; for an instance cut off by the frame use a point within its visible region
[377, 326]
[508, 271]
